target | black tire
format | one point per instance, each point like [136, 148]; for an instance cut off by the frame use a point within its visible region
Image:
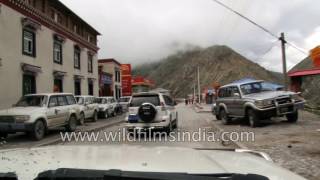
[224, 117]
[72, 124]
[218, 117]
[147, 112]
[95, 116]
[38, 130]
[175, 126]
[82, 119]
[253, 119]
[3, 135]
[169, 128]
[293, 117]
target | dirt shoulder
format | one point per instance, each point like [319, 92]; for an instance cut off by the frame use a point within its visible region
[293, 146]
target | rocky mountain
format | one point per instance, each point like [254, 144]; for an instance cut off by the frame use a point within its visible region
[217, 64]
[311, 84]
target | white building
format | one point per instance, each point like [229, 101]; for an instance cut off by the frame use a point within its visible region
[45, 47]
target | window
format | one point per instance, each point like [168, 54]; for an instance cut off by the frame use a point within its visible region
[77, 87]
[77, 55]
[90, 65]
[53, 101]
[71, 100]
[28, 84]
[168, 100]
[58, 86]
[90, 88]
[57, 51]
[62, 101]
[139, 100]
[29, 43]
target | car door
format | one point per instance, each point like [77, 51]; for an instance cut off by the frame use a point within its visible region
[54, 114]
[237, 101]
[90, 106]
[228, 100]
[64, 109]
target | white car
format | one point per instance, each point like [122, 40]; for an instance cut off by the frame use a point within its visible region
[152, 111]
[124, 102]
[37, 113]
[140, 162]
[106, 106]
[88, 108]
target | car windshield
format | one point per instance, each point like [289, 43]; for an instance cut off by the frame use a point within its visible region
[37, 101]
[139, 100]
[253, 88]
[124, 99]
[161, 75]
[80, 100]
[101, 101]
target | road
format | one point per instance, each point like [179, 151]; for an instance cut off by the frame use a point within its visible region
[190, 123]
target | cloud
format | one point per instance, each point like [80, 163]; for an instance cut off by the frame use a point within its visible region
[138, 31]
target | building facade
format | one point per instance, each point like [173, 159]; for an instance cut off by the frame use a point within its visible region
[113, 68]
[45, 47]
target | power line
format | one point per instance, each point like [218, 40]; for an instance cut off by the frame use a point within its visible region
[259, 26]
[268, 50]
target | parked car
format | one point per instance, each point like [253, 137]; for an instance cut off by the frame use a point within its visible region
[152, 111]
[107, 106]
[252, 102]
[88, 108]
[124, 102]
[37, 113]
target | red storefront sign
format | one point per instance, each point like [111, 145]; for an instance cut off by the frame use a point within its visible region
[126, 79]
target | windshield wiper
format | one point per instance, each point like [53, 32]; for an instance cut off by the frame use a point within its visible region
[126, 175]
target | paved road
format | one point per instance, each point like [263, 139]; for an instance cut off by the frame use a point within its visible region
[189, 123]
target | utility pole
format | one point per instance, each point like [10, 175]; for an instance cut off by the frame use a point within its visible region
[199, 97]
[284, 61]
[194, 92]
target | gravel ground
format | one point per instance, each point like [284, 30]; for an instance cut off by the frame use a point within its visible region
[293, 146]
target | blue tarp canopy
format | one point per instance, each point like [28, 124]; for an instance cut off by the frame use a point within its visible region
[266, 85]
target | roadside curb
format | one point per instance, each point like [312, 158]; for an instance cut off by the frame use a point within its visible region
[58, 140]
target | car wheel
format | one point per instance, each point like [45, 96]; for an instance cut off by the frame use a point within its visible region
[252, 118]
[81, 119]
[224, 117]
[293, 117]
[169, 128]
[3, 135]
[38, 130]
[176, 122]
[95, 116]
[72, 124]
[106, 114]
[218, 117]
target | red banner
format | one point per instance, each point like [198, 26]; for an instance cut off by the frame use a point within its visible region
[126, 79]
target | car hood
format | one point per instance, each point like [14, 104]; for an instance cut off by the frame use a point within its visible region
[27, 163]
[19, 111]
[269, 95]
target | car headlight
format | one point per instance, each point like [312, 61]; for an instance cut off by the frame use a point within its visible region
[264, 103]
[21, 118]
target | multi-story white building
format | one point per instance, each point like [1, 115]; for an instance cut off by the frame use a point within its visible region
[112, 67]
[45, 47]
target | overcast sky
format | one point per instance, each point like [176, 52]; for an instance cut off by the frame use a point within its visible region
[138, 31]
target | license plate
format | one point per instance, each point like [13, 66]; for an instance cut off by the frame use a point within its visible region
[133, 118]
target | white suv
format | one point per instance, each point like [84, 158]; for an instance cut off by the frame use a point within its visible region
[124, 102]
[107, 106]
[88, 108]
[35, 114]
[152, 111]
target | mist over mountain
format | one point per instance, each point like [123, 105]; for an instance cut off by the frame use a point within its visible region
[220, 64]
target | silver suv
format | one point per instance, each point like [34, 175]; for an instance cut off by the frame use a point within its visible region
[35, 114]
[88, 108]
[151, 111]
[251, 101]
